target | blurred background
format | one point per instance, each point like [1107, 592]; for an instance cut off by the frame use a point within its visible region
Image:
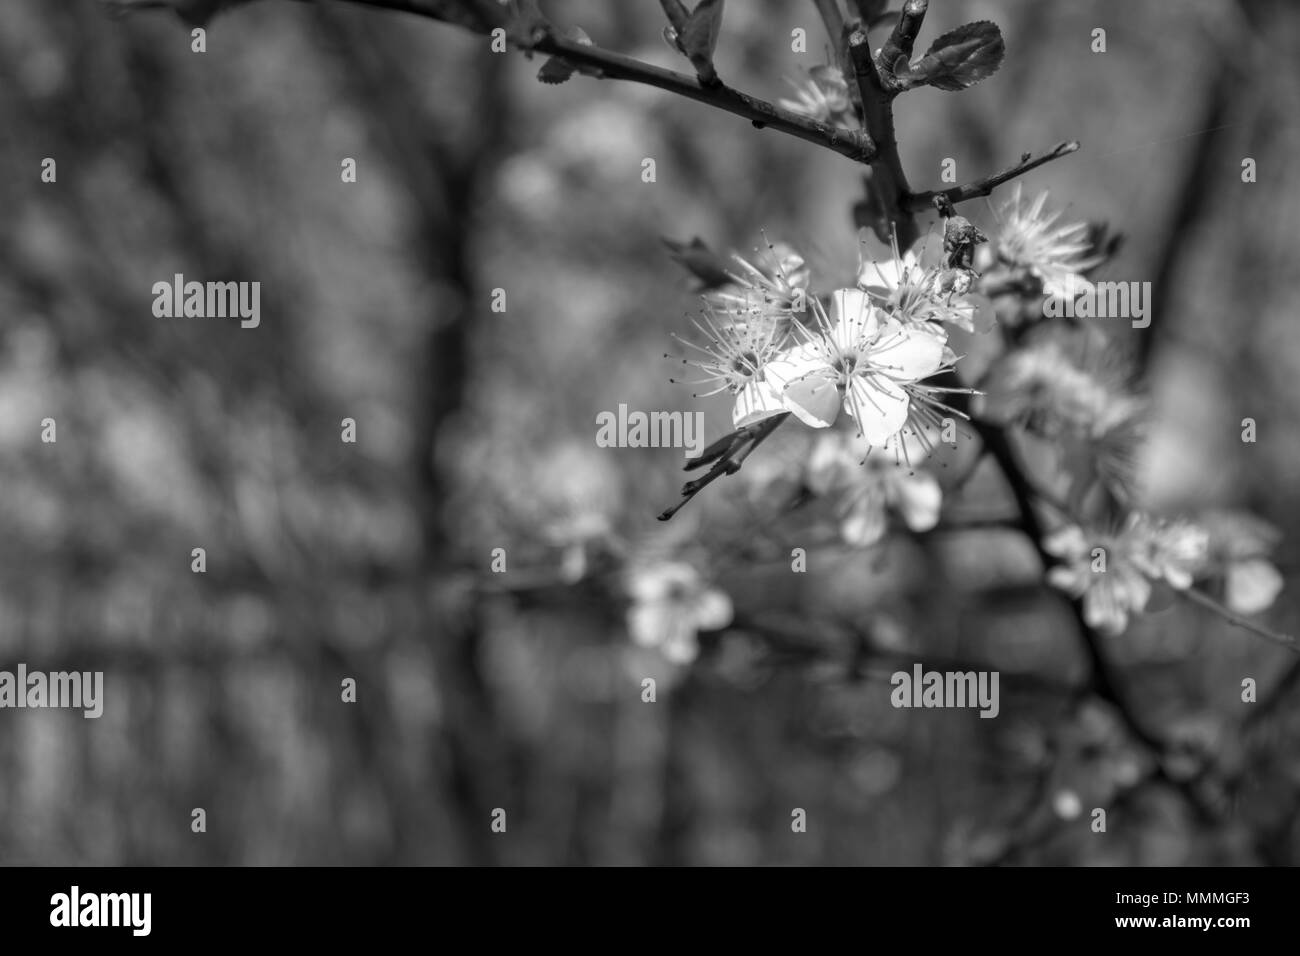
[475, 431]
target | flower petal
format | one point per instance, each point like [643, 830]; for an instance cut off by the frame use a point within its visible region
[681, 645]
[814, 399]
[1251, 585]
[854, 306]
[885, 276]
[907, 354]
[1102, 615]
[649, 623]
[879, 405]
[828, 465]
[794, 363]
[654, 582]
[713, 610]
[918, 499]
[1067, 542]
[865, 523]
[756, 401]
[1067, 578]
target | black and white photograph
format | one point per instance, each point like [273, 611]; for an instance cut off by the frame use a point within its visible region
[650, 434]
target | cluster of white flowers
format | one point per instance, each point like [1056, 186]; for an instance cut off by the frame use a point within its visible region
[777, 347]
[873, 349]
[1031, 240]
[1042, 388]
[1114, 572]
[671, 604]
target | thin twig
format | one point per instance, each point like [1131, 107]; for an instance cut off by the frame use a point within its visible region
[1245, 623]
[1188, 207]
[917, 202]
[853, 143]
[727, 454]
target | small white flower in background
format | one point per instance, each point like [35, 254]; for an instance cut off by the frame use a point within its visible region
[1029, 238]
[824, 96]
[916, 295]
[572, 498]
[1239, 546]
[1042, 388]
[733, 358]
[775, 286]
[860, 359]
[1109, 596]
[1251, 585]
[1170, 551]
[1143, 551]
[1066, 804]
[870, 489]
[1097, 423]
[671, 604]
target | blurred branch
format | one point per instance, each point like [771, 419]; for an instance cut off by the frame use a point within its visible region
[1105, 680]
[832, 18]
[1190, 204]
[917, 202]
[1245, 623]
[444, 176]
[792, 643]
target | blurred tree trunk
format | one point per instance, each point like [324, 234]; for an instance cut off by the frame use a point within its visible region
[447, 177]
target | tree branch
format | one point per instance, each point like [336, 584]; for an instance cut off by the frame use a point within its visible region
[887, 189]
[916, 202]
[484, 17]
[855, 144]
